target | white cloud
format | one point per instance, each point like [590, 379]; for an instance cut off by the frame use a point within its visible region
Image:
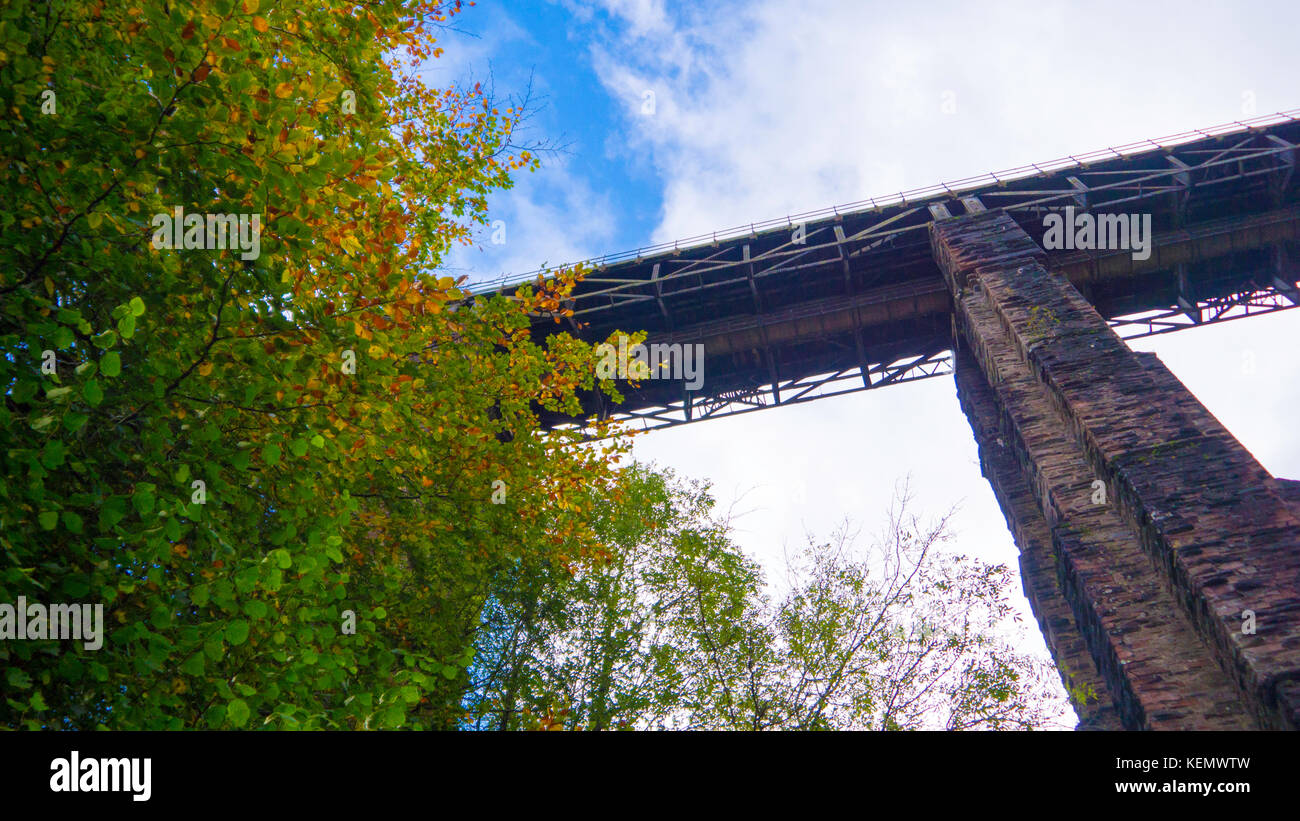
[763, 109]
[552, 218]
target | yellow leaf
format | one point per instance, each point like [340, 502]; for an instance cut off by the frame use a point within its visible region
[283, 90]
[249, 6]
[260, 24]
[94, 218]
[211, 21]
[205, 369]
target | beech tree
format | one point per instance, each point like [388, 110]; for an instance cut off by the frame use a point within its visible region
[241, 408]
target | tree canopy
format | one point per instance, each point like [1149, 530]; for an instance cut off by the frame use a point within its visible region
[237, 449]
[675, 627]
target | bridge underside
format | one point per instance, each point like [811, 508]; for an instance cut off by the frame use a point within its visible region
[851, 299]
[1152, 543]
[1161, 559]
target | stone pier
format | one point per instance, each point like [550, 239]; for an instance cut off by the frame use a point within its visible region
[1151, 541]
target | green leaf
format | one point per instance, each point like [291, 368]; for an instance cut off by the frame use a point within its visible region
[73, 421]
[237, 632]
[160, 618]
[214, 648]
[52, 453]
[112, 511]
[246, 579]
[270, 453]
[75, 586]
[17, 678]
[298, 447]
[126, 326]
[72, 522]
[394, 717]
[237, 712]
[107, 339]
[93, 393]
[193, 665]
[137, 306]
[110, 364]
[215, 716]
[49, 519]
[143, 499]
[24, 391]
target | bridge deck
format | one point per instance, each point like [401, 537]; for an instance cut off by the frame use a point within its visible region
[851, 299]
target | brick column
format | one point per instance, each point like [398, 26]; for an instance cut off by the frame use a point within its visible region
[1146, 530]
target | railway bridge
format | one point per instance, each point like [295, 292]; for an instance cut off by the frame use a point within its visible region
[1161, 560]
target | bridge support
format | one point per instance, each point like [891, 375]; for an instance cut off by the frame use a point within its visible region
[1152, 543]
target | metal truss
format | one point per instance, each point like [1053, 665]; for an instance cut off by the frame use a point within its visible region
[785, 287]
[818, 249]
[1180, 317]
[746, 399]
[739, 267]
[1167, 168]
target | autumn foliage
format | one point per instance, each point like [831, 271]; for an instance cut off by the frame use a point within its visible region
[230, 454]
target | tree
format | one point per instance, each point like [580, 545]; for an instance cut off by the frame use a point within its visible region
[241, 409]
[675, 628]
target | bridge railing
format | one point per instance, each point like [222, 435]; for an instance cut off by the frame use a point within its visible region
[911, 197]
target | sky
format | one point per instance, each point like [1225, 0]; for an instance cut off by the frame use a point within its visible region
[676, 119]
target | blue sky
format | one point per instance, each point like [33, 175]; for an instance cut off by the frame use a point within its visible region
[765, 108]
[593, 177]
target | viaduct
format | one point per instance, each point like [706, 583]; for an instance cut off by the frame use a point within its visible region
[1161, 560]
